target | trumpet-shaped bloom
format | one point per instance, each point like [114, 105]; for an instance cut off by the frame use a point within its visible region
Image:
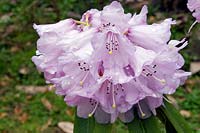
[156, 35]
[110, 64]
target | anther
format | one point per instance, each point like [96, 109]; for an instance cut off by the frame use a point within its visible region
[89, 115]
[81, 83]
[114, 106]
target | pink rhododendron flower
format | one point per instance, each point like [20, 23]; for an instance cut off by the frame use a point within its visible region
[194, 6]
[110, 64]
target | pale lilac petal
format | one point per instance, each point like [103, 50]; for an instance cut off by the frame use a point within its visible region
[151, 36]
[154, 102]
[84, 108]
[132, 93]
[57, 28]
[126, 117]
[196, 14]
[194, 6]
[110, 12]
[102, 117]
[118, 75]
[182, 75]
[142, 57]
[104, 95]
[114, 117]
[94, 17]
[140, 19]
[173, 43]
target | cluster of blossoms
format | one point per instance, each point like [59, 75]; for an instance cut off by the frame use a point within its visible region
[110, 64]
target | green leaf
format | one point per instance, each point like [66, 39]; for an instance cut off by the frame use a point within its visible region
[136, 126]
[173, 118]
[103, 128]
[168, 126]
[89, 125]
[84, 125]
[149, 125]
[152, 125]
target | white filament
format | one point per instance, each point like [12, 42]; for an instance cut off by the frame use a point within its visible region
[93, 111]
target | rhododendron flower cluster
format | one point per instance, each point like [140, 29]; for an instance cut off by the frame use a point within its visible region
[110, 64]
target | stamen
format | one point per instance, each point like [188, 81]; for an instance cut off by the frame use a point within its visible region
[140, 109]
[160, 80]
[84, 23]
[93, 111]
[167, 99]
[113, 96]
[110, 52]
[80, 22]
[191, 27]
[84, 78]
[112, 43]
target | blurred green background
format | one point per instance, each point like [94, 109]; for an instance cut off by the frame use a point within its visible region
[26, 105]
